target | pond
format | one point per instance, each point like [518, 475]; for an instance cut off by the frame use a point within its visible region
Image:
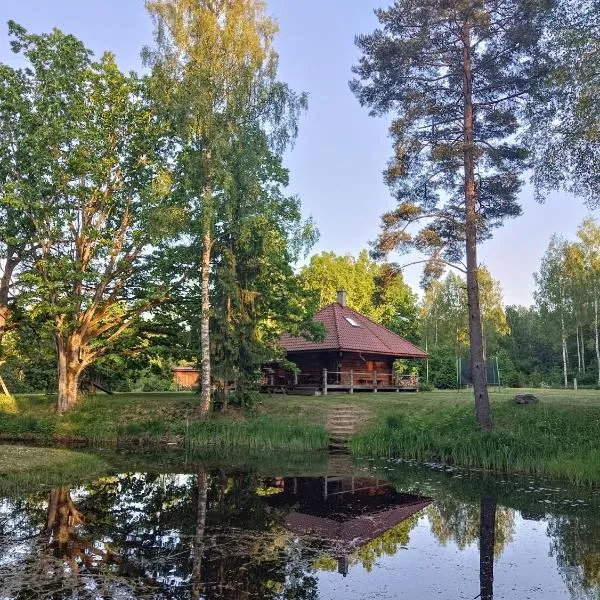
[181, 528]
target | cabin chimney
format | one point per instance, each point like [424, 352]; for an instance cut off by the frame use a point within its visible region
[341, 297]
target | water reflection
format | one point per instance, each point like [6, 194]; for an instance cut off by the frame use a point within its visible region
[220, 534]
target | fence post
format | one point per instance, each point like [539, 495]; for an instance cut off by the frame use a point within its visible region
[351, 381]
[375, 381]
[324, 382]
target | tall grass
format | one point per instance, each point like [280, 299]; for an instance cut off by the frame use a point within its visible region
[549, 439]
[157, 420]
[260, 433]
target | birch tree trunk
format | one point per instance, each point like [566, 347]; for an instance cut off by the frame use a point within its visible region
[578, 351]
[207, 241]
[482, 403]
[205, 381]
[564, 350]
[582, 350]
[596, 335]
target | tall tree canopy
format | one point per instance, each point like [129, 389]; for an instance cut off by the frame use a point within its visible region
[92, 197]
[375, 290]
[215, 75]
[453, 73]
[565, 111]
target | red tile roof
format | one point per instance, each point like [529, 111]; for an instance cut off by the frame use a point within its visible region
[340, 334]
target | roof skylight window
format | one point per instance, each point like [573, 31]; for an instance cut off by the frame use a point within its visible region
[352, 321]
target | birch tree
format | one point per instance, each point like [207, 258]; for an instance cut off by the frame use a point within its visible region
[551, 292]
[214, 70]
[588, 245]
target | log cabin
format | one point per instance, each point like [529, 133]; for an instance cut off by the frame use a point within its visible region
[356, 354]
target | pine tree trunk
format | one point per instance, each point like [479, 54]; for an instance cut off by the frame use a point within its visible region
[205, 380]
[487, 527]
[482, 403]
[597, 341]
[69, 371]
[202, 488]
[564, 350]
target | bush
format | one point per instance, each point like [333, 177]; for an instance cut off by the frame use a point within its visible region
[442, 368]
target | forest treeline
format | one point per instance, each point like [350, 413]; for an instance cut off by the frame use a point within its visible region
[549, 343]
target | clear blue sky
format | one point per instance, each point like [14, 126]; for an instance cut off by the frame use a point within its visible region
[338, 159]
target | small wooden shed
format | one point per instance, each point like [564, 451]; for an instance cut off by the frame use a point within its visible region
[356, 354]
[185, 378]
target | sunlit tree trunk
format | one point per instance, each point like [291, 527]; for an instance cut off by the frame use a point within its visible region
[69, 366]
[205, 380]
[482, 403]
[10, 265]
[487, 526]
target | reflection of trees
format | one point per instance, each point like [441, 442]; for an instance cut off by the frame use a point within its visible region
[63, 560]
[62, 523]
[453, 520]
[387, 544]
[180, 536]
[576, 546]
[198, 550]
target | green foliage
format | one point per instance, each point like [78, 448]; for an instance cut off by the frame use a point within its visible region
[155, 420]
[375, 290]
[94, 192]
[442, 368]
[444, 313]
[564, 134]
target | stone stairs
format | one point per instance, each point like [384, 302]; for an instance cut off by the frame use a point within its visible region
[343, 422]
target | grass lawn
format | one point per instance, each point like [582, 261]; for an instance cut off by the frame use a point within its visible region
[560, 436]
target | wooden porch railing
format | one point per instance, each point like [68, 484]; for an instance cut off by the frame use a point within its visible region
[372, 379]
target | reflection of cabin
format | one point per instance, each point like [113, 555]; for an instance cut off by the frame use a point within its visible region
[344, 513]
[185, 378]
[356, 354]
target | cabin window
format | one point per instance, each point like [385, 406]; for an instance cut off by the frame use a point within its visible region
[352, 321]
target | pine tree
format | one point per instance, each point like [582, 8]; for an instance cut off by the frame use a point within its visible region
[454, 74]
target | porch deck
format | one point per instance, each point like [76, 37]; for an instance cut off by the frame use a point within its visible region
[306, 384]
